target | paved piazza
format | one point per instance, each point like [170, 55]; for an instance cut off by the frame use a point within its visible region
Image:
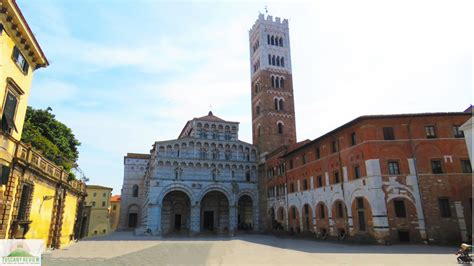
[122, 248]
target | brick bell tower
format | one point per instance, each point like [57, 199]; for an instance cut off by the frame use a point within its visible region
[273, 110]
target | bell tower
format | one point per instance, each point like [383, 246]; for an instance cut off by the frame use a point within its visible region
[273, 111]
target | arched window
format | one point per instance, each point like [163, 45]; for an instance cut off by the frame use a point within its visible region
[257, 109]
[278, 61]
[276, 104]
[273, 60]
[273, 82]
[280, 105]
[281, 41]
[259, 130]
[280, 128]
[281, 83]
[256, 88]
[268, 38]
[135, 191]
[273, 40]
[269, 59]
[277, 83]
[282, 62]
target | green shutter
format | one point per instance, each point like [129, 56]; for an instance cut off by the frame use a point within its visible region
[5, 174]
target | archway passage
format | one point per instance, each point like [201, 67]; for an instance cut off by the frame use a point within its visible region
[307, 213]
[176, 213]
[214, 212]
[245, 214]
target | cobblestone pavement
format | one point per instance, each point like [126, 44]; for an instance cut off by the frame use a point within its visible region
[122, 248]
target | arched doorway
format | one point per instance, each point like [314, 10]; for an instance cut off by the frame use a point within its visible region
[245, 213]
[176, 213]
[214, 212]
[281, 218]
[307, 218]
[294, 220]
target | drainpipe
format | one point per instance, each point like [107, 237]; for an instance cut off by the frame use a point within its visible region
[417, 181]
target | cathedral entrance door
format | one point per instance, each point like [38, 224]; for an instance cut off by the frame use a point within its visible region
[177, 222]
[208, 223]
[132, 220]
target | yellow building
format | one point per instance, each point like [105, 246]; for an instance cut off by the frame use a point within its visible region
[114, 212]
[97, 218]
[36, 199]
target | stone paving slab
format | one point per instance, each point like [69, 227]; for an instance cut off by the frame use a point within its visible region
[122, 248]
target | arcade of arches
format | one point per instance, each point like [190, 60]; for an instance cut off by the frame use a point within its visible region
[214, 214]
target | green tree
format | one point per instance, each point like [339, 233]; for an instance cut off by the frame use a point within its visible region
[54, 139]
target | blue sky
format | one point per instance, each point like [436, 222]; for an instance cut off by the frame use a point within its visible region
[124, 74]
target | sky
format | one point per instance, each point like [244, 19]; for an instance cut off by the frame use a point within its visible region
[124, 74]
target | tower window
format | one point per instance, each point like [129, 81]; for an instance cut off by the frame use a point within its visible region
[273, 60]
[272, 40]
[268, 38]
[278, 61]
[280, 128]
[280, 42]
[281, 83]
[257, 109]
[466, 166]
[273, 82]
[393, 168]
[282, 62]
[276, 103]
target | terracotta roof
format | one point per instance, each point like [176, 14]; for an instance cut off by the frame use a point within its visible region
[115, 198]
[138, 156]
[97, 186]
[211, 117]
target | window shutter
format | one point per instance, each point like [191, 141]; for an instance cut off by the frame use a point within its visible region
[25, 67]
[5, 174]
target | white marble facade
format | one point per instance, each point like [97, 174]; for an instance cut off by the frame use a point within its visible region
[204, 181]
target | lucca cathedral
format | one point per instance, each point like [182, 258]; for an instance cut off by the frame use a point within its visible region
[207, 180]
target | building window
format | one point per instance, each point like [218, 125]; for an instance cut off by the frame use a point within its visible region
[436, 167]
[458, 133]
[357, 171]
[257, 109]
[114, 207]
[247, 176]
[320, 181]
[103, 203]
[94, 194]
[292, 187]
[336, 177]
[93, 203]
[393, 168]
[24, 202]
[444, 207]
[466, 166]
[9, 110]
[430, 132]
[5, 175]
[305, 184]
[353, 139]
[340, 211]
[20, 60]
[333, 146]
[318, 153]
[135, 191]
[103, 194]
[321, 211]
[399, 206]
[303, 158]
[291, 163]
[293, 211]
[280, 128]
[388, 133]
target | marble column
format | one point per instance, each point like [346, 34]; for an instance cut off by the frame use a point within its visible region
[232, 219]
[195, 220]
[154, 219]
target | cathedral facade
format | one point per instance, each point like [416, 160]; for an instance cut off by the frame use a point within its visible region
[203, 181]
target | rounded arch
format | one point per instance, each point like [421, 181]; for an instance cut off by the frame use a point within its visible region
[133, 216]
[215, 187]
[176, 212]
[401, 217]
[175, 187]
